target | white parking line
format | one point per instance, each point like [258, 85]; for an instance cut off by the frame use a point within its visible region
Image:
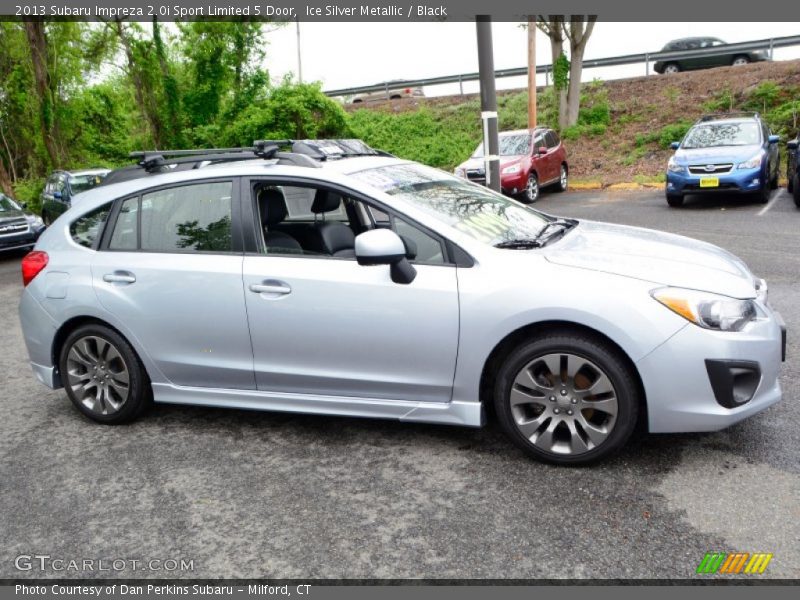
[769, 205]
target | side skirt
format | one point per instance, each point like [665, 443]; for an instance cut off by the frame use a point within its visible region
[468, 414]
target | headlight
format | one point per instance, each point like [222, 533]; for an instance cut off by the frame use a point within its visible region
[674, 167]
[460, 172]
[753, 163]
[710, 311]
[35, 221]
[511, 169]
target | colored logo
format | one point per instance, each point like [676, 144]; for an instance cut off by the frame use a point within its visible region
[735, 563]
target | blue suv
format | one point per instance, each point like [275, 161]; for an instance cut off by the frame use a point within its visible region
[793, 169]
[731, 153]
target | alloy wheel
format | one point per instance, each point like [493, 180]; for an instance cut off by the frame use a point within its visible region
[564, 404]
[740, 60]
[671, 68]
[97, 375]
[532, 188]
[563, 178]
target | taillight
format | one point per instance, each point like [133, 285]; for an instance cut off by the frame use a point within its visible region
[33, 264]
[408, 90]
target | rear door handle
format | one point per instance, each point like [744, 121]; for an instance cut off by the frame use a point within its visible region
[119, 277]
[272, 287]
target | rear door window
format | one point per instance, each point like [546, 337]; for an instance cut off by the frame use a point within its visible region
[193, 218]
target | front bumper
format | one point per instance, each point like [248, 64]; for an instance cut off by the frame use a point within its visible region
[737, 181]
[680, 394]
[26, 239]
[514, 183]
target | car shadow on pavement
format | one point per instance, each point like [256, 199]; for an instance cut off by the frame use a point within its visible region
[720, 201]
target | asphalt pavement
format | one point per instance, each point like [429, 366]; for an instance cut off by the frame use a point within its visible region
[247, 494]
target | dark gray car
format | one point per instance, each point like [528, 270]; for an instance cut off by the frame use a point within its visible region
[716, 55]
[61, 186]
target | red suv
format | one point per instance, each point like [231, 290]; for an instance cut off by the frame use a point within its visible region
[530, 159]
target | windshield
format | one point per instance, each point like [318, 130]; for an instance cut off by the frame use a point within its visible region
[81, 183]
[510, 145]
[475, 210]
[7, 204]
[729, 133]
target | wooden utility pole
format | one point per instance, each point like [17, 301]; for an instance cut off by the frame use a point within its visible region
[532, 71]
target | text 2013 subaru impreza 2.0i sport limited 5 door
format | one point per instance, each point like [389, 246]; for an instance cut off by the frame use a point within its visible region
[339, 280]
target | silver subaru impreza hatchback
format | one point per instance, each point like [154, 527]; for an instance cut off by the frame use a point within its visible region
[335, 279]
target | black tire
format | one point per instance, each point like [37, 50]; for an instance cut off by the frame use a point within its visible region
[532, 190]
[773, 182]
[395, 97]
[796, 189]
[139, 390]
[675, 200]
[586, 347]
[763, 195]
[790, 183]
[563, 179]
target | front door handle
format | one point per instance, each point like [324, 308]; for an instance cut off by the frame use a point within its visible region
[119, 277]
[271, 287]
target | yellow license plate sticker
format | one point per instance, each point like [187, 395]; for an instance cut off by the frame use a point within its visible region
[709, 182]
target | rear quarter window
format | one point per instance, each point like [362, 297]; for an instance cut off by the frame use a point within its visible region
[86, 230]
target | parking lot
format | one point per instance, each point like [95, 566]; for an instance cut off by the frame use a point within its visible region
[247, 494]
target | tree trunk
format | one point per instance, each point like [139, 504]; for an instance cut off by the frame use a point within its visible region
[531, 72]
[37, 41]
[5, 181]
[145, 108]
[578, 34]
[171, 94]
[553, 27]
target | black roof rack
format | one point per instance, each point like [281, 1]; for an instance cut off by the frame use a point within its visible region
[302, 153]
[728, 115]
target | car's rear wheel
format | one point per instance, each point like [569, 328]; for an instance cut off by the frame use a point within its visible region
[103, 376]
[531, 193]
[675, 200]
[672, 68]
[773, 182]
[563, 180]
[740, 60]
[790, 184]
[566, 398]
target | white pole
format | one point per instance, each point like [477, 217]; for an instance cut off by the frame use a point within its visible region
[299, 60]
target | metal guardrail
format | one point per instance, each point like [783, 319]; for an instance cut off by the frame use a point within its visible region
[628, 59]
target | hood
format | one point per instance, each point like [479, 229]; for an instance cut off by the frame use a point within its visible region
[649, 255]
[478, 163]
[735, 154]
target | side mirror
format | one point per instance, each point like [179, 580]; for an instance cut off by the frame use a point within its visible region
[542, 150]
[675, 145]
[384, 247]
[774, 139]
[23, 205]
[792, 145]
[57, 195]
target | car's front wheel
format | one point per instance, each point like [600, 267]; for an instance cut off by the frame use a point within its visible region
[796, 189]
[740, 60]
[671, 68]
[531, 193]
[566, 398]
[103, 376]
[763, 195]
[675, 200]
